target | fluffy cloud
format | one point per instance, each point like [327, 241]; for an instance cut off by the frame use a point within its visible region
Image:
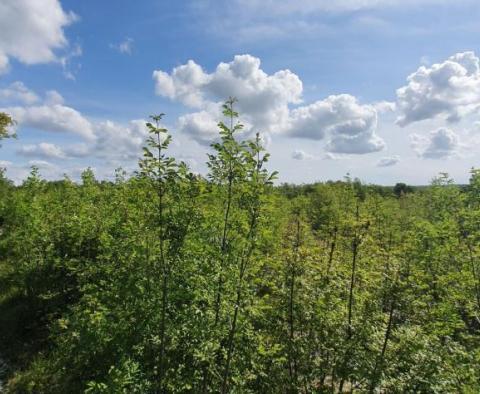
[265, 101]
[388, 161]
[17, 92]
[450, 89]
[50, 115]
[350, 126]
[384, 106]
[301, 155]
[112, 141]
[102, 139]
[53, 117]
[32, 30]
[43, 150]
[202, 126]
[123, 142]
[441, 143]
[185, 84]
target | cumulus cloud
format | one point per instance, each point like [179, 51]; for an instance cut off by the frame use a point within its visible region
[113, 141]
[186, 84]
[384, 106]
[32, 31]
[43, 150]
[301, 155]
[270, 103]
[441, 143]
[202, 126]
[53, 117]
[17, 92]
[101, 139]
[388, 161]
[450, 89]
[123, 142]
[50, 115]
[263, 99]
[351, 127]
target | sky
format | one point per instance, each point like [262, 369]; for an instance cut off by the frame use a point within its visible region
[385, 90]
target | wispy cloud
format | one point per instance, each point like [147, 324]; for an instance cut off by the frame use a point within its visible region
[125, 47]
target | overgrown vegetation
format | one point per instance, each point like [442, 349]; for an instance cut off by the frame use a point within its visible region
[169, 282]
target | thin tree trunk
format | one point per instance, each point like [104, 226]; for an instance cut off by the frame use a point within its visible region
[474, 273]
[223, 249]
[355, 244]
[379, 362]
[163, 268]
[231, 335]
[332, 251]
[292, 360]
[223, 246]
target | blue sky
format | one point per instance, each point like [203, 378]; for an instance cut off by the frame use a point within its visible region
[326, 83]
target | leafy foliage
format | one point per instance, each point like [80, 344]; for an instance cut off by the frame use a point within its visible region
[6, 122]
[169, 282]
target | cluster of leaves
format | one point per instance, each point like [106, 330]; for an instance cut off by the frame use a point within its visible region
[169, 282]
[6, 123]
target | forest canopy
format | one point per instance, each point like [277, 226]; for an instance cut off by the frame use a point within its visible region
[172, 282]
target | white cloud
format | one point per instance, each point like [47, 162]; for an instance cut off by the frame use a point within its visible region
[66, 61]
[264, 101]
[56, 117]
[440, 144]
[18, 92]
[301, 155]
[5, 163]
[202, 126]
[125, 47]
[309, 6]
[115, 143]
[52, 97]
[43, 150]
[103, 139]
[384, 106]
[388, 161]
[32, 30]
[331, 156]
[450, 89]
[120, 141]
[78, 150]
[249, 31]
[51, 115]
[43, 165]
[351, 127]
[184, 84]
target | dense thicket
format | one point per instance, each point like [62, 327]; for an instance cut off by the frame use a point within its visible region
[168, 282]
